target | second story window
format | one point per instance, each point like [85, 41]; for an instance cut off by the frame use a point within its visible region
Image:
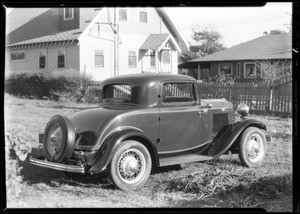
[122, 15]
[68, 13]
[143, 17]
[131, 59]
[61, 58]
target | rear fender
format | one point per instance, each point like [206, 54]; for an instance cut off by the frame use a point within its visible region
[228, 134]
[109, 147]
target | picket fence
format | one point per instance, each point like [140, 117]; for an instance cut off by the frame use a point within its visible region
[262, 98]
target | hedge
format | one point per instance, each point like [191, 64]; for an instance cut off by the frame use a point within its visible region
[66, 85]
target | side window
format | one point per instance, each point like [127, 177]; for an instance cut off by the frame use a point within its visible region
[99, 58]
[61, 58]
[178, 92]
[42, 59]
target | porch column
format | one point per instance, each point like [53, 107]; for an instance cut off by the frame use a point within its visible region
[199, 74]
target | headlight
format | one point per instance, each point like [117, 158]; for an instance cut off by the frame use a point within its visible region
[242, 110]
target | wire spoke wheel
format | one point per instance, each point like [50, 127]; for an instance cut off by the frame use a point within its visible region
[130, 166]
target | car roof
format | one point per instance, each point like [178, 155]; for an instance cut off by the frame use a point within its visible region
[144, 78]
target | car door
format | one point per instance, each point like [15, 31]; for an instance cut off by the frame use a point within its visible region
[181, 117]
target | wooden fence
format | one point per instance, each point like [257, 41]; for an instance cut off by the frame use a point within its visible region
[262, 98]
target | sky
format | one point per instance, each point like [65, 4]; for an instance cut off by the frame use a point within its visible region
[235, 24]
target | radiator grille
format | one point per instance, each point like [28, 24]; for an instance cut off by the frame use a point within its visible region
[219, 121]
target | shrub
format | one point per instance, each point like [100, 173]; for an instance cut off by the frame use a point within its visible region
[16, 149]
[66, 85]
[220, 79]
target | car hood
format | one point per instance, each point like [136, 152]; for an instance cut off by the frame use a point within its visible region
[217, 103]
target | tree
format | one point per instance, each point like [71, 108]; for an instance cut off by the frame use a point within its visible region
[206, 42]
[272, 70]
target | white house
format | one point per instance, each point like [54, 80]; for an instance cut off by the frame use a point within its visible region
[102, 42]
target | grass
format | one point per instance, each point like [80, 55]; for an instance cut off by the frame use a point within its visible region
[222, 182]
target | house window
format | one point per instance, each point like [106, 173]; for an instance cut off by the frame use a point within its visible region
[122, 15]
[68, 13]
[143, 17]
[166, 57]
[61, 58]
[131, 59]
[95, 29]
[42, 59]
[250, 70]
[238, 70]
[152, 59]
[225, 68]
[18, 56]
[99, 58]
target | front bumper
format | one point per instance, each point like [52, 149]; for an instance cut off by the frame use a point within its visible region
[57, 166]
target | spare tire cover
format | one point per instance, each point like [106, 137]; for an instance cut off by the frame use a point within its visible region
[59, 139]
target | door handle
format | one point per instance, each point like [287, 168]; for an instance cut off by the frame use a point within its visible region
[200, 112]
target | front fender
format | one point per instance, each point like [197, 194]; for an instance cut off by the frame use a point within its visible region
[228, 134]
[109, 147]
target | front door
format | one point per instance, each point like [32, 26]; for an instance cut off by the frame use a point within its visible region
[181, 119]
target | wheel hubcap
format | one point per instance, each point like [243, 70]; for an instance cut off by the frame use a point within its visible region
[255, 148]
[55, 139]
[131, 166]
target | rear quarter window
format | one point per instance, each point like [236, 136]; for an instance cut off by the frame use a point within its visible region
[122, 92]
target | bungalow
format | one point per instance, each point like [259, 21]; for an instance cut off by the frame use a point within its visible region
[101, 42]
[242, 61]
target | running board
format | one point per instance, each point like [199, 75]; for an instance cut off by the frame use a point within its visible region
[183, 159]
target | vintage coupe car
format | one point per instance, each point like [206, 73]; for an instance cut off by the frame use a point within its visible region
[145, 121]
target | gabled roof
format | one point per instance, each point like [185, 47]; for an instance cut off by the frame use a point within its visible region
[172, 27]
[156, 42]
[264, 47]
[33, 25]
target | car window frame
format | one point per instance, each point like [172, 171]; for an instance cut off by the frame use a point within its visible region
[189, 103]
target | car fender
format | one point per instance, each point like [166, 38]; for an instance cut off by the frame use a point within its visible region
[229, 133]
[110, 144]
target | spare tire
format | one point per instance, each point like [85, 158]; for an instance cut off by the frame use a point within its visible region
[59, 139]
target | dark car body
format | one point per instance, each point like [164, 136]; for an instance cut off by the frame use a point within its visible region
[174, 129]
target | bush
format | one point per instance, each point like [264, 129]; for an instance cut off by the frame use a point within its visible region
[66, 85]
[220, 79]
[16, 149]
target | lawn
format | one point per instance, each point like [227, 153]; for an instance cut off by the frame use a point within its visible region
[219, 183]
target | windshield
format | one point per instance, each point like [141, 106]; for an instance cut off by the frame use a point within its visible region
[119, 93]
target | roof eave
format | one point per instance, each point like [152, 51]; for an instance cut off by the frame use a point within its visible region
[173, 27]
